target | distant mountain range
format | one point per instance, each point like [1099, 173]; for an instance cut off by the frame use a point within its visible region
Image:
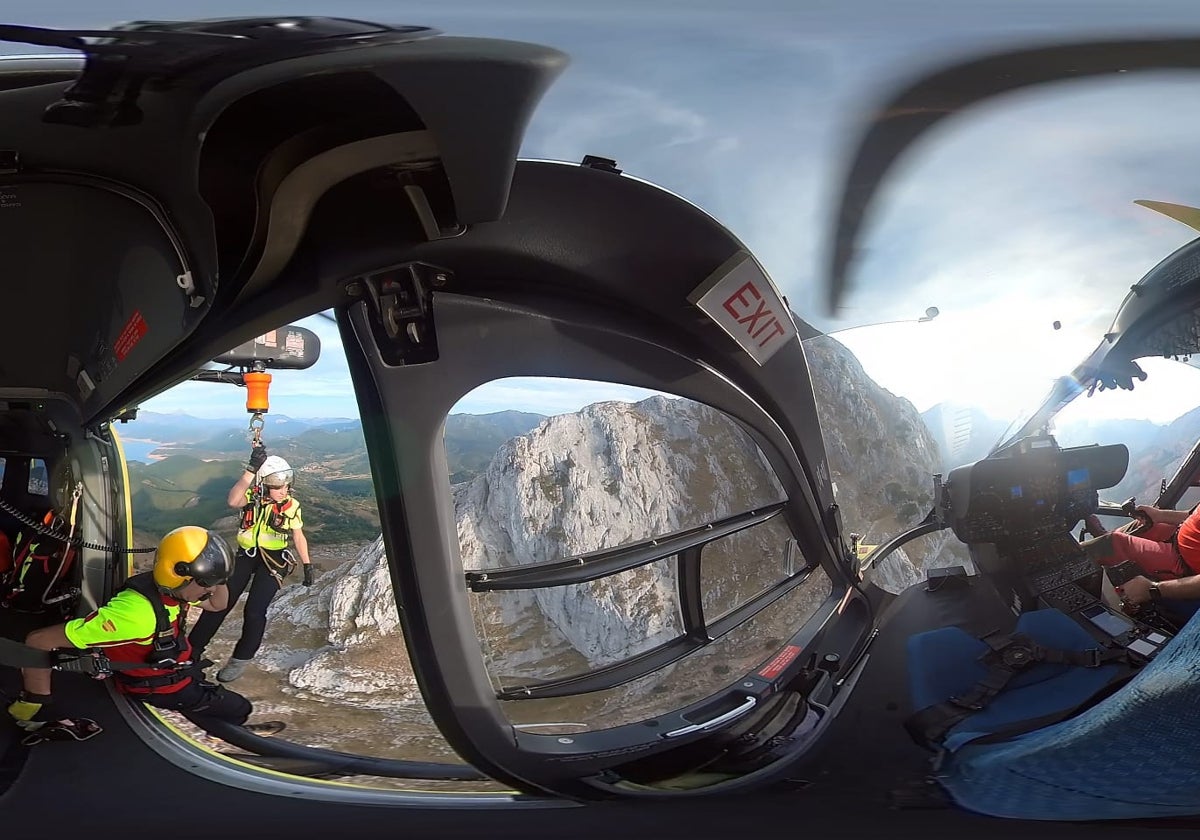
[196, 459]
[177, 428]
[964, 434]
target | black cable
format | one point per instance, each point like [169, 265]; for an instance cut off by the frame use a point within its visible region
[25, 519]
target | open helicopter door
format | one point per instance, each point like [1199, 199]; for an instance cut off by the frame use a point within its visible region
[628, 592]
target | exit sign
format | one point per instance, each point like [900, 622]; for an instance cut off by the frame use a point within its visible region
[744, 302]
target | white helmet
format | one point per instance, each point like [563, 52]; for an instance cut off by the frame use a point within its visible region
[275, 472]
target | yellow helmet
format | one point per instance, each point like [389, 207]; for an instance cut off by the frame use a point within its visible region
[192, 553]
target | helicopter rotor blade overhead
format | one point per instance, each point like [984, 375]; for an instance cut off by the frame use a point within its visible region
[896, 124]
[1189, 216]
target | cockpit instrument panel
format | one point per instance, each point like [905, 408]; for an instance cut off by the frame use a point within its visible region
[1030, 489]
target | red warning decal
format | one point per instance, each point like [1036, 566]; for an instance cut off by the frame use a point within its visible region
[130, 335]
[782, 659]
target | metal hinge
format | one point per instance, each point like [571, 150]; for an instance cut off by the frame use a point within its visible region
[400, 303]
[602, 163]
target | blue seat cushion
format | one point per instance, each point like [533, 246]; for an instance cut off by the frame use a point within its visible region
[1134, 754]
[946, 662]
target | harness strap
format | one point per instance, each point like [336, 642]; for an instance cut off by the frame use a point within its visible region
[67, 550]
[1182, 567]
[90, 661]
[278, 568]
[1007, 657]
[177, 676]
[166, 639]
[93, 661]
[17, 655]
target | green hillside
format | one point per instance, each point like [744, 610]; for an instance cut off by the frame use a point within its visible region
[333, 473]
[472, 439]
[183, 490]
[178, 490]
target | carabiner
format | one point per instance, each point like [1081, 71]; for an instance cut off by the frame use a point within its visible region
[256, 426]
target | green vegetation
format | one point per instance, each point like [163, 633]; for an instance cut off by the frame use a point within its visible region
[472, 439]
[548, 484]
[181, 490]
[333, 473]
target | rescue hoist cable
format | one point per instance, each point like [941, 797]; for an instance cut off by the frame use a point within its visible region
[25, 519]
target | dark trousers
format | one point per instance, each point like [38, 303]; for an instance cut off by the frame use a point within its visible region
[254, 619]
[201, 701]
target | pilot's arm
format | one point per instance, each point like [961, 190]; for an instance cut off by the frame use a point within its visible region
[1137, 591]
[1169, 517]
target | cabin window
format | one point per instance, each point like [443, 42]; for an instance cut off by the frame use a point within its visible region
[39, 478]
[333, 664]
[1155, 421]
[738, 567]
[703, 673]
[590, 482]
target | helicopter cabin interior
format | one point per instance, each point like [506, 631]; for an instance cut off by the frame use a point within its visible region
[449, 264]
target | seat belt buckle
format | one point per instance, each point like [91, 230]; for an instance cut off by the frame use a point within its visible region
[964, 704]
[88, 661]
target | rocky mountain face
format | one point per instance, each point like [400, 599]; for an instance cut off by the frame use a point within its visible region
[882, 458]
[1155, 451]
[611, 474]
[340, 640]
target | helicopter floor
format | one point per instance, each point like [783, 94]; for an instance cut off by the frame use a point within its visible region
[872, 755]
[117, 778]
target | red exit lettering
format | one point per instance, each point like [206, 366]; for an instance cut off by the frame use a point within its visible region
[780, 661]
[748, 308]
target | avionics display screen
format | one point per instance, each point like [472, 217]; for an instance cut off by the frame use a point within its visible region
[1030, 488]
[1143, 647]
[1079, 479]
[1110, 623]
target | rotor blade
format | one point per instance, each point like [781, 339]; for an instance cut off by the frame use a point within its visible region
[1190, 216]
[895, 125]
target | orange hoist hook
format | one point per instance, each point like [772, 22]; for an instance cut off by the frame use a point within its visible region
[258, 383]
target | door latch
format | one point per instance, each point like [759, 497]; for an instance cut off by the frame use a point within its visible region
[400, 303]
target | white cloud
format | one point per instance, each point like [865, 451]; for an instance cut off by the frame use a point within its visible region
[548, 396]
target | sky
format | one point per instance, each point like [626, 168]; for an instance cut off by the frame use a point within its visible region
[1008, 218]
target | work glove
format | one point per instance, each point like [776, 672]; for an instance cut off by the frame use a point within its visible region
[308, 575]
[258, 454]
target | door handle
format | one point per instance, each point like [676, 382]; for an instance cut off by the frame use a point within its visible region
[732, 714]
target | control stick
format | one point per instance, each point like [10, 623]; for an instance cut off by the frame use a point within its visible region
[1129, 508]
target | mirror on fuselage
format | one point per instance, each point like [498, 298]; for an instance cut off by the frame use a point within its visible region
[287, 348]
[598, 467]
